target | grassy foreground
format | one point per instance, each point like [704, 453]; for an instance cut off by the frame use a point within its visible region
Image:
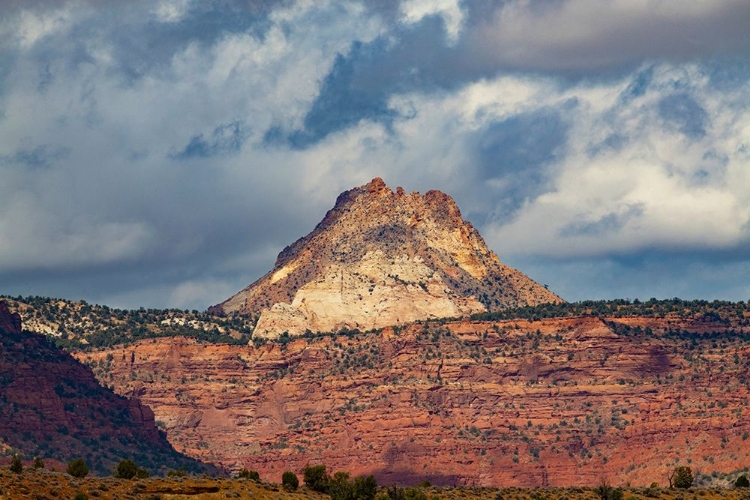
[45, 484]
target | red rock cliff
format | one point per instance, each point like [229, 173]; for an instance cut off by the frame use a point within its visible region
[529, 403]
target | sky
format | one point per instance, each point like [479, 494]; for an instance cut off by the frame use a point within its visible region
[161, 154]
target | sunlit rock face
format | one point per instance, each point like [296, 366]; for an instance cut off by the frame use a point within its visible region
[380, 258]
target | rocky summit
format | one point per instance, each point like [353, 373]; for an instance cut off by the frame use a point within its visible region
[379, 258]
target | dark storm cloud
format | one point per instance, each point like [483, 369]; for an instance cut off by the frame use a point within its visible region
[605, 224]
[493, 41]
[517, 152]
[345, 98]
[645, 274]
[39, 157]
[580, 36]
[139, 41]
[164, 153]
[639, 84]
[360, 83]
[225, 139]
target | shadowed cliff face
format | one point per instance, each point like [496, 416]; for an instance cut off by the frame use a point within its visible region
[10, 323]
[565, 401]
[381, 258]
[52, 406]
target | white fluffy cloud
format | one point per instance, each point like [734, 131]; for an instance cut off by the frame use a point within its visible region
[146, 157]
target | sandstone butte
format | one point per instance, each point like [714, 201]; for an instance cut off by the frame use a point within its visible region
[382, 258]
[551, 402]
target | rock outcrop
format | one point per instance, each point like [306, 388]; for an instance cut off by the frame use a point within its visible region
[52, 406]
[382, 258]
[10, 323]
[547, 402]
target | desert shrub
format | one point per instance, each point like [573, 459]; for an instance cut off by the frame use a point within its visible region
[38, 463]
[606, 492]
[742, 482]
[81, 496]
[78, 468]
[398, 493]
[365, 487]
[176, 473]
[16, 465]
[315, 477]
[414, 494]
[339, 486]
[249, 474]
[126, 469]
[289, 480]
[652, 492]
[682, 477]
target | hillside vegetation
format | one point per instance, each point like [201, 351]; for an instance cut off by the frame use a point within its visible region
[80, 325]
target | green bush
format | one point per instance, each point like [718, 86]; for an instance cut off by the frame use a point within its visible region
[606, 492]
[742, 482]
[398, 493]
[78, 468]
[315, 477]
[249, 474]
[365, 487]
[38, 463]
[339, 486]
[289, 480]
[16, 465]
[81, 496]
[682, 477]
[126, 469]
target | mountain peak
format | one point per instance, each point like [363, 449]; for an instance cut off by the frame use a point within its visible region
[380, 258]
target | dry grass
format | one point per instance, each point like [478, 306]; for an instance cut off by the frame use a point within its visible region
[44, 484]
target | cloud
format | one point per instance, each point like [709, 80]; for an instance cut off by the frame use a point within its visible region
[163, 154]
[439, 46]
[225, 139]
[662, 153]
[605, 224]
[683, 113]
[39, 157]
[584, 35]
[414, 11]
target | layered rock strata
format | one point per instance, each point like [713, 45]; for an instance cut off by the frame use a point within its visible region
[564, 401]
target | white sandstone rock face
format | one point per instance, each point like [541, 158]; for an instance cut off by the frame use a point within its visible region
[374, 292]
[380, 258]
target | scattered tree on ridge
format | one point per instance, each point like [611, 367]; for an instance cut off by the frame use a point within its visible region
[249, 474]
[16, 465]
[742, 482]
[78, 468]
[289, 480]
[680, 477]
[339, 487]
[127, 469]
